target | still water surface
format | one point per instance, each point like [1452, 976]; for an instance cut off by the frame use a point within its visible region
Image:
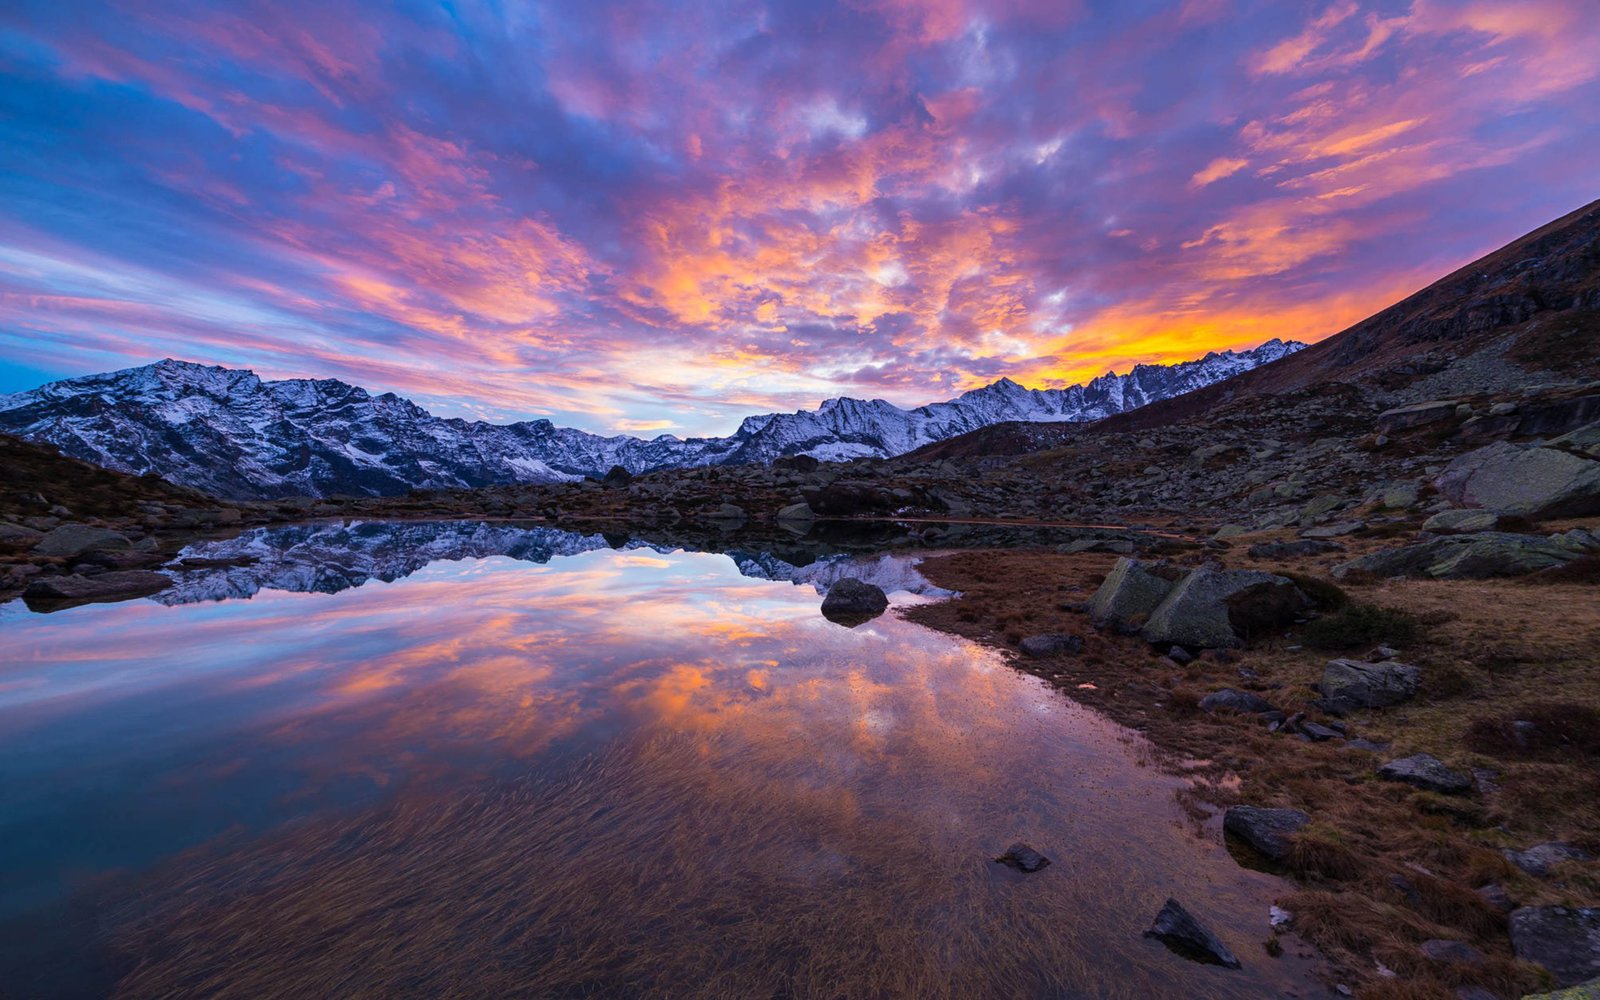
[474, 760]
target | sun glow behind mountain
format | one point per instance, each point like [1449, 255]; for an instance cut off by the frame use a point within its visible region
[634, 216]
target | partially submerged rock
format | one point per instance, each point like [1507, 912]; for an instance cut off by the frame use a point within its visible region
[1266, 830]
[1023, 858]
[1427, 773]
[103, 587]
[1349, 685]
[1531, 482]
[1178, 930]
[1056, 644]
[1464, 557]
[853, 601]
[1564, 940]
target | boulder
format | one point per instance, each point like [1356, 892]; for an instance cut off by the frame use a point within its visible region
[1531, 482]
[103, 587]
[617, 478]
[797, 512]
[1348, 685]
[1564, 940]
[853, 601]
[849, 499]
[1584, 440]
[1023, 858]
[726, 512]
[1427, 773]
[1175, 928]
[1230, 700]
[1540, 858]
[1403, 418]
[1465, 557]
[1051, 645]
[1461, 522]
[1336, 530]
[1212, 609]
[75, 539]
[1130, 592]
[1293, 550]
[1266, 830]
[16, 538]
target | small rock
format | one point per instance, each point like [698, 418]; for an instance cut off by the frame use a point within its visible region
[1176, 929]
[1338, 530]
[1461, 522]
[1318, 733]
[1541, 858]
[1348, 685]
[1279, 918]
[1368, 745]
[797, 512]
[1427, 773]
[1051, 645]
[852, 601]
[1565, 941]
[1293, 550]
[1182, 657]
[1266, 830]
[1497, 897]
[1455, 952]
[1023, 858]
[1231, 700]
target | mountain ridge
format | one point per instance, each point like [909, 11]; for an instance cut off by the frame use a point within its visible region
[233, 434]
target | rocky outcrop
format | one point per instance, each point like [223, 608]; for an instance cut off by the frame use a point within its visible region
[76, 539]
[1404, 418]
[1530, 482]
[1213, 609]
[1178, 930]
[1564, 940]
[853, 601]
[1427, 773]
[1266, 830]
[103, 587]
[1464, 557]
[1349, 685]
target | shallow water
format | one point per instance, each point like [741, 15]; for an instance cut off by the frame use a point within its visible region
[474, 760]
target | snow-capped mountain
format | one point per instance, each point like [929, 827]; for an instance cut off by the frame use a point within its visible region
[231, 434]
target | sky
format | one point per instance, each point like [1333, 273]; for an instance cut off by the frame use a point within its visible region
[646, 217]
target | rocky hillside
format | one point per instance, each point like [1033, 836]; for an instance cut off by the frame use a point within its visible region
[231, 434]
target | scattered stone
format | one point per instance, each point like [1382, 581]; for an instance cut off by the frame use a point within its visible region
[1279, 918]
[1023, 858]
[1338, 530]
[1541, 858]
[1266, 830]
[1427, 773]
[1176, 929]
[1219, 608]
[1293, 550]
[102, 587]
[1401, 497]
[854, 600]
[16, 538]
[1230, 700]
[1461, 522]
[1403, 418]
[1565, 941]
[1349, 685]
[1121, 546]
[1368, 745]
[1497, 897]
[727, 512]
[1230, 531]
[797, 512]
[1130, 592]
[1056, 644]
[75, 539]
[1454, 952]
[1464, 557]
[1317, 733]
[1531, 482]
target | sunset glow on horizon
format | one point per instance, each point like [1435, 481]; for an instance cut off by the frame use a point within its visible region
[643, 217]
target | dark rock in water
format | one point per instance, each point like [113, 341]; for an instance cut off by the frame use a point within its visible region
[1023, 858]
[1465, 557]
[1456, 952]
[1051, 645]
[617, 478]
[1539, 859]
[1426, 772]
[1348, 685]
[1129, 593]
[1565, 941]
[104, 587]
[851, 601]
[74, 539]
[1176, 929]
[1231, 700]
[1293, 550]
[1266, 830]
[1212, 608]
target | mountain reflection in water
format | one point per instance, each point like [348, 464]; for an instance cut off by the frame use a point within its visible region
[600, 771]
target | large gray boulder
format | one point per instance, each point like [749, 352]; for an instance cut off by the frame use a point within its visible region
[1465, 557]
[1348, 685]
[1130, 592]
[1266, 830]
[1212, 609]
[76, 539]
[1564, 940]
[1426, 772]
[1531, 482]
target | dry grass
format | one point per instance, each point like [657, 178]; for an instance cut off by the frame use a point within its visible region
[1491, 652]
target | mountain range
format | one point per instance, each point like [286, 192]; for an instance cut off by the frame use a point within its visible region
[231, 434]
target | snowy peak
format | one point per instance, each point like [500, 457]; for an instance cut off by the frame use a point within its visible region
[229, 433]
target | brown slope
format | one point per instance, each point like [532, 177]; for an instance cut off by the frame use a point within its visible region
[34, 478]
